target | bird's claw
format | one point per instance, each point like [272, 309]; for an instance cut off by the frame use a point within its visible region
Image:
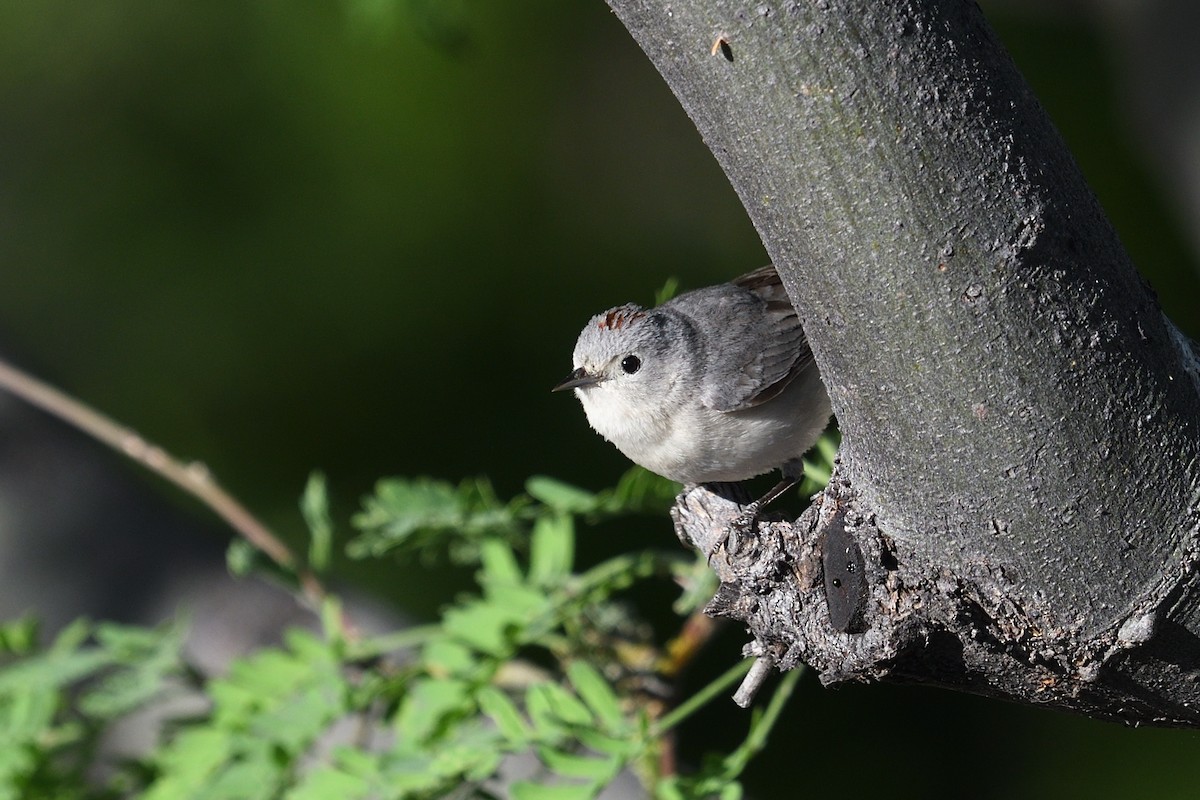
[740, 529]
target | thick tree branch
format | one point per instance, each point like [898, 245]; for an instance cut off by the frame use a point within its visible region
[1020, 469]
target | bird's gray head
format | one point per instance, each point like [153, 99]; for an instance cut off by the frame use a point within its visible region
[629, 363]
[717, 384]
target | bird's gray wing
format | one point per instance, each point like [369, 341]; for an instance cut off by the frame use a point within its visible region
[765, 348]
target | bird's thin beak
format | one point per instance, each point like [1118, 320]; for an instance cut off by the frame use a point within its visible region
[578, 377]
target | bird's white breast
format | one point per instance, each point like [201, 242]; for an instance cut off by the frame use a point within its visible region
[695, 444]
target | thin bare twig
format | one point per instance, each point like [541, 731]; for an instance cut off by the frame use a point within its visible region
[193, 477]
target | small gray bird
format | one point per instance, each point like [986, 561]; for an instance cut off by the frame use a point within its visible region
[715, 385]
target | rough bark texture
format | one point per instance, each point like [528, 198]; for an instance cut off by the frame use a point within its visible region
[1020, 473]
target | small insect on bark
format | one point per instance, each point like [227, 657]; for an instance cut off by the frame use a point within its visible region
[721, 45]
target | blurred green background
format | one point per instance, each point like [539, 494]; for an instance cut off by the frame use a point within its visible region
[362, 237]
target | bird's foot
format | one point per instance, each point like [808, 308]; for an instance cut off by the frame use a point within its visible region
[739, 531]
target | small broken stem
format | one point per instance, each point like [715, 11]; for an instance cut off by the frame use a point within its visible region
[754, 681]
[194, 478]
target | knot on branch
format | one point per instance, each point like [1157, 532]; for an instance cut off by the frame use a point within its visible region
[822, 590]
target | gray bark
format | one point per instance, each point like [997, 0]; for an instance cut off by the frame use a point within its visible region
[1020, 467]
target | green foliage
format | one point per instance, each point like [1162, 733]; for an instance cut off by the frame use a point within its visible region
[425, 516]
[266, 716]
[818, 465]
[543, 666]
[56, 701]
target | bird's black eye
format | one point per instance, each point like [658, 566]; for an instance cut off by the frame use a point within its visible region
[631, 364]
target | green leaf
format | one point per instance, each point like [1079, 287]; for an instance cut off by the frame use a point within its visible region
[19, 637]
[327, 782]
[712, 780]
[247, 779]
[307, 646]
[551, 550]
[25, 714]
[560, 496]
[697, 581]
[299, 719]
[442, 657]
[429, 703]
[333, 623]
[623, 746]
[359, 763]
[472, 753]
[269, 684]
[818, 464]
[314, 507]
[520, 603]
[52, 670]
[732, 791]
[640, 491]
[526, 790]
[188, 763]
[17, 763]
[265, 677]
[499, 562]
[127, 641]
[599, 696]
[668, 789]
[504, 712]
[487, 627]
[411, 776]
[817, 473]
[120, 693]
[666, 291]
[828, 444]
[555, 711]
[574, 765]
[71, 637]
